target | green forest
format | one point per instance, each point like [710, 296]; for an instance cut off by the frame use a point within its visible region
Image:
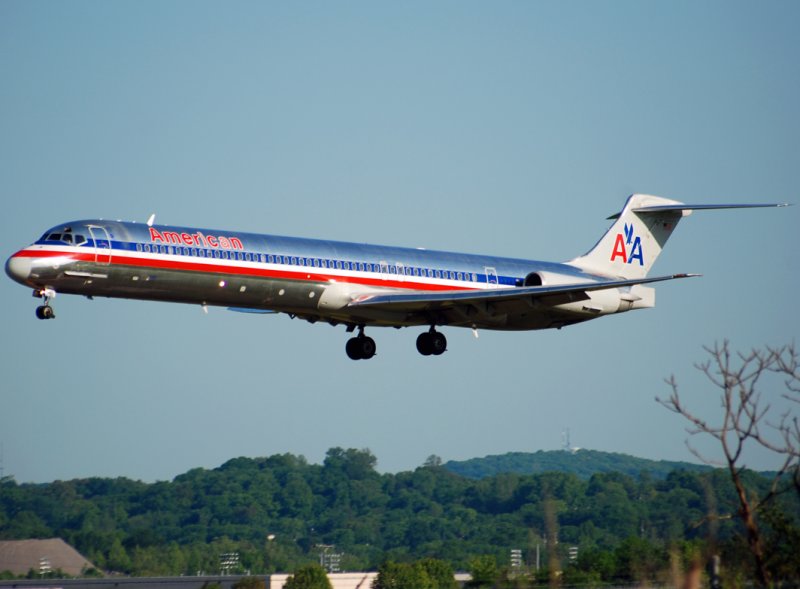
[583, 463]
[277, 512]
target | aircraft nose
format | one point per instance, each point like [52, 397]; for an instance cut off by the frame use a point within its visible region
[18, 268]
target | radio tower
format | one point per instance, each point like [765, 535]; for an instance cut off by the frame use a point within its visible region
[565, 443]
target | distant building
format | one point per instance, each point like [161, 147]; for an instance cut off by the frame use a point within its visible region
[42, 557]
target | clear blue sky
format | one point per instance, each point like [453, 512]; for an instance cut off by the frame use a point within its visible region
[510, 128]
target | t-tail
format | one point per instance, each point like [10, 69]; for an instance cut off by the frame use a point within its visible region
[633, 243]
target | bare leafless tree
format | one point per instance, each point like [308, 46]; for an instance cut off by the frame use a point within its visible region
[748, 418]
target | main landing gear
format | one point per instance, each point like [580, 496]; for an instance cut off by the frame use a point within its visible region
[45, 311]
[431, 342]
[360, 347]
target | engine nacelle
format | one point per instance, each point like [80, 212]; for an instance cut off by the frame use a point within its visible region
[595, 302]
[541, 278]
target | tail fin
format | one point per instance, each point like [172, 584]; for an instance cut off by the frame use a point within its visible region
[630, 247]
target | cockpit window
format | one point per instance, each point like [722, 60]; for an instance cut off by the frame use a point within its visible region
[67, 236]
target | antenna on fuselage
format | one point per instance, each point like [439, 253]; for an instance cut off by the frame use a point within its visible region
[151, 219]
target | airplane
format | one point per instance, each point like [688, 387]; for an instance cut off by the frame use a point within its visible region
[352, 284]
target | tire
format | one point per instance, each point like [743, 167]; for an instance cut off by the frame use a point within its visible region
[368, 347]
[45, 312]
[424, 343]
[353, 349]
[438, 343]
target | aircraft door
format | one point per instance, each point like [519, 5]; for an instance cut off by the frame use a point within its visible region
[491, 276]
[102, 244]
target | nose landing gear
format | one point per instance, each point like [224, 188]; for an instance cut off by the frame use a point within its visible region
[45, 311]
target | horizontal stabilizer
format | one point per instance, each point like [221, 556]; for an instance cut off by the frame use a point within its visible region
[685, 207]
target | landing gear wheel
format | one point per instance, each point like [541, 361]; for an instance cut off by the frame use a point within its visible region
[431, 343]
[360, 348]
[45, 312]
[438, 343]
[352, 349]
[424, 344]
[368, 347]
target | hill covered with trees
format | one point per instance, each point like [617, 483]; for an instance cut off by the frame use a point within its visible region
[582, 463]
[276, 512]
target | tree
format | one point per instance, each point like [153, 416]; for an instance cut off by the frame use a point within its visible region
[118, 559]
[394, 575]
[432, 461]
[250, 583]
[311, 576]
[747, 420]
[440, 573]
[484, 571]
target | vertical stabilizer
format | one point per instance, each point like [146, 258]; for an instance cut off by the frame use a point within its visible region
[630, 247]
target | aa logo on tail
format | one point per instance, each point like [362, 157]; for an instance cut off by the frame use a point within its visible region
[629, 247]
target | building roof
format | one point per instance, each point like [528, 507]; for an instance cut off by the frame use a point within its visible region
[21, 556]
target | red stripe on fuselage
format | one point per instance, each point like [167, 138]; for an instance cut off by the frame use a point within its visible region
[304, 275]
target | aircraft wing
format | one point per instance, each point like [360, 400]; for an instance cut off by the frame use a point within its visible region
[420, 301]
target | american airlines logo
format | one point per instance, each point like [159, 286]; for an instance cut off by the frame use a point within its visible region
[196, 239]
[628, 247]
